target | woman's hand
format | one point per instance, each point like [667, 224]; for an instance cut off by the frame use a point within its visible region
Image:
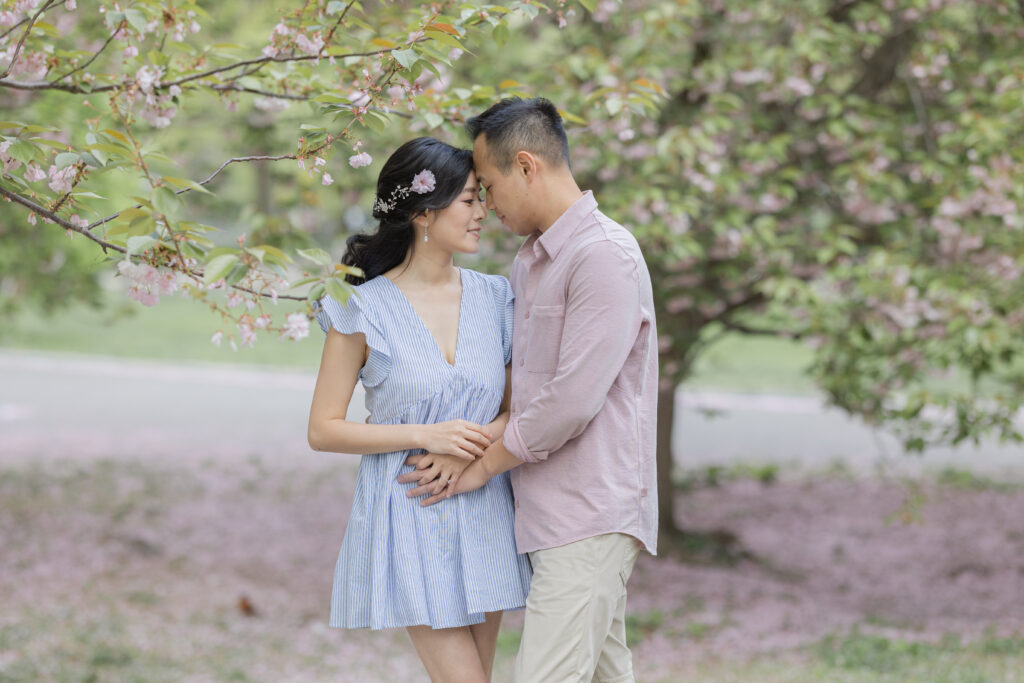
[460, 438]
[432, 474]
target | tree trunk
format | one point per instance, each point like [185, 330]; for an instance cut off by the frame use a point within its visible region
[667, 529]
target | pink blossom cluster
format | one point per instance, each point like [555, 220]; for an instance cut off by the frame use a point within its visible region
[62, 180]
[283, 38]
[296, 326]
[148, 283]
[8, 162]
[318, 167]
[30, 66]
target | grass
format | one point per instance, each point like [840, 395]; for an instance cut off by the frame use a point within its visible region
[176, 329]
[179, 329]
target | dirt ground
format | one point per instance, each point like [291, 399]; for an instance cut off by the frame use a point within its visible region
[210, 570]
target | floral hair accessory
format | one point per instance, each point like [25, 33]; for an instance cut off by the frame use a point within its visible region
[422, 183]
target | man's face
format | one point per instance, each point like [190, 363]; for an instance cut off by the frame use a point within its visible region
[505, 194]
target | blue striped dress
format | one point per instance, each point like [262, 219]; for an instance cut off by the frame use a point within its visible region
[447, 564]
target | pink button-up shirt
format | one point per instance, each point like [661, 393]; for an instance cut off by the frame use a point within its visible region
[584, 384]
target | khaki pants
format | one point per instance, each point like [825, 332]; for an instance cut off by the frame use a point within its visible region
[575, 627]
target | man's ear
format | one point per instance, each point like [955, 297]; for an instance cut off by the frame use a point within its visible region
[526, 164]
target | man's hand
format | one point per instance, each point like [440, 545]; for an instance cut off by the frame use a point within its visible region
[471, 478]
[432, 474]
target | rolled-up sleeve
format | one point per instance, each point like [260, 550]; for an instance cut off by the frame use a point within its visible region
[602, 321]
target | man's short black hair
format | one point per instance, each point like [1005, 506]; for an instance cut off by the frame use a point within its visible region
[515, 124]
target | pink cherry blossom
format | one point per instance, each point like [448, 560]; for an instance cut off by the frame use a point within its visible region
[130, 51]
[296, 326]
[143, 296]
[78, 221]
[217, 337]
[309, 46]
[360, 160]
[423, 182]
[326, 179]
[60, 180]
[33, 173]
[246, 334]
[148, 77]
[262, 322]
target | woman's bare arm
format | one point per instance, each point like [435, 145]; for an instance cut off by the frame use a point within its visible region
[342, 358]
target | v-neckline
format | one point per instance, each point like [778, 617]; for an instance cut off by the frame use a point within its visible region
[423, 325]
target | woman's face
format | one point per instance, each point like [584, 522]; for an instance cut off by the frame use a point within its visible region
[456, 228]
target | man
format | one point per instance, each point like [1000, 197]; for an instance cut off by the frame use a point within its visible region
[581, 435]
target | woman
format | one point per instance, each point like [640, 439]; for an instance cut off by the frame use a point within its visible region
[430, 343]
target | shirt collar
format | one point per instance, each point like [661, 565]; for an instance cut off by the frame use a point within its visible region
[555, 237]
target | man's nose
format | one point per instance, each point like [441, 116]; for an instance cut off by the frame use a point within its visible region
[489, 201]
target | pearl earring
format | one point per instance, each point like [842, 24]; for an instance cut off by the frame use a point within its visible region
[425, 239]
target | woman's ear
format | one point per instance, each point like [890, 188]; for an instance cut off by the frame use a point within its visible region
[422, 219]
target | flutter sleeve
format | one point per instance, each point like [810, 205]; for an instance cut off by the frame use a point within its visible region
[504, 300]
[356, 316]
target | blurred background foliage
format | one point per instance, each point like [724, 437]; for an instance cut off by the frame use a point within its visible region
[841, 172]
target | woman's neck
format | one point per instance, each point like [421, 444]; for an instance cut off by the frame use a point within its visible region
[423, 266]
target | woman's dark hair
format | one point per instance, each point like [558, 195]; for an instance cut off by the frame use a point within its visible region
[395, 210]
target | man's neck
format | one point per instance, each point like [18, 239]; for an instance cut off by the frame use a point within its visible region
[562, 193]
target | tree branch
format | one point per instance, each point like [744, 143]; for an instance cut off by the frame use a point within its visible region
[880, 68]
[76, 89]
[21, 42]
[12, 28]
[42, 211]
[98, 53]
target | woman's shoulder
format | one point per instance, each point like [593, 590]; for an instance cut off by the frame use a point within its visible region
[497, 283]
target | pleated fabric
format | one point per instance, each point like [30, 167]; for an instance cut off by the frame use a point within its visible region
[445, 565]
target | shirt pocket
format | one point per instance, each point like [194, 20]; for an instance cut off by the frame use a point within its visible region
[545, 338]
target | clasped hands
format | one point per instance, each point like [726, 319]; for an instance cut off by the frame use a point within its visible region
[453, 448]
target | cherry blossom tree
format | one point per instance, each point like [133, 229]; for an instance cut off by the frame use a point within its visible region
[838, 171]
[137, 67]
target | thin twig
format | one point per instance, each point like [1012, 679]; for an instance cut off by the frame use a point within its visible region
[21, 42]
[12, 28]
[98, 52]
[43, 211]
[76, 89]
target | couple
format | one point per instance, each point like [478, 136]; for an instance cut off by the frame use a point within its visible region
[463, 387]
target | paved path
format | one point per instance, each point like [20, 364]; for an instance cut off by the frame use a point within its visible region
[67, 405]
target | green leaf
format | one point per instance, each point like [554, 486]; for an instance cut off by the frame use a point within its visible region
[218, 267]
[139, 243]
[589, 4]
[22, 151]
[90, 159]
[87, 194]
[338, 291]
[335, 6]
[316, 256]
[501, 34]
[166, 201]
[433, 120]
[137, 19]
[236, 274]
[65, 159]
[406, 57]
